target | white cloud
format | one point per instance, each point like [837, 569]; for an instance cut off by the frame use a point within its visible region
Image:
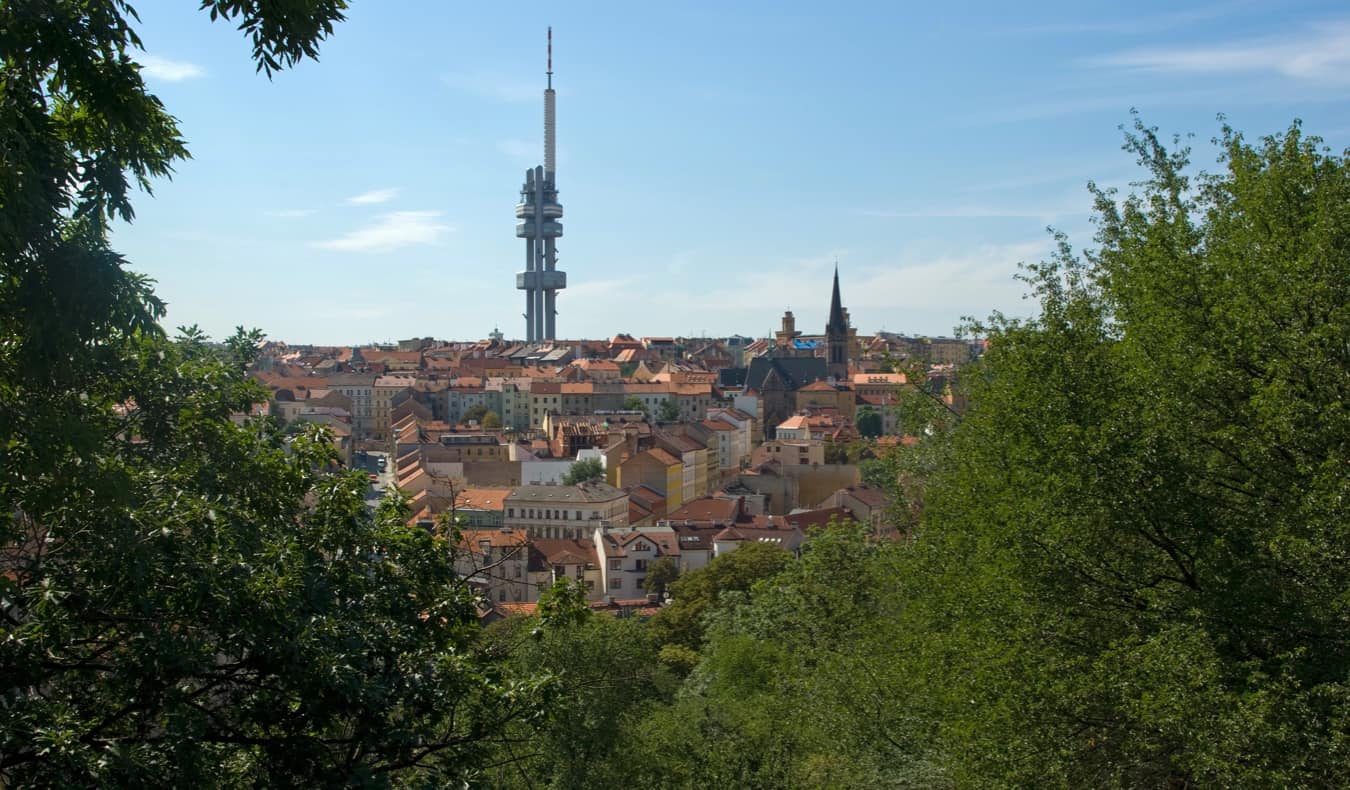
[1323, 55]
[158, 68]
[1116, 102]
[372, 197]
[912, 291]
[291, 213]
[1131, 25]
[390, 232]
[975, 280]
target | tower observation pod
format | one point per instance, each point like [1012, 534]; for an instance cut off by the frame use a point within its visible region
[538, 216]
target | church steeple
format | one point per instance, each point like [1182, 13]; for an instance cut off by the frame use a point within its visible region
[836, 335]
[838, 323]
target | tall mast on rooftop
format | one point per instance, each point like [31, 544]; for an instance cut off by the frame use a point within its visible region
[537, 221]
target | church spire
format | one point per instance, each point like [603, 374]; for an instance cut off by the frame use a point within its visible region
[836, 335]
[838, 323]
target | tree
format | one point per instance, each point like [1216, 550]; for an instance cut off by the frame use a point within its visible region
[793, 687]
[475, 413]
[563, 604]
[670, 411]
[1140, 521]
[491, 420]
[660, 573]
[584, 471]
[634, 403]
[870, 423]
[695, 593]
[187, 601]
[602, 671]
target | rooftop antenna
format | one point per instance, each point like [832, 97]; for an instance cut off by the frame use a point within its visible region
[550, 56]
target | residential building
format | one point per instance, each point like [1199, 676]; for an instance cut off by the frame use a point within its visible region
[790, 452]
[555, 511]
[497, 564]
[383, 391]
[359, 388]
[657, 469]
[626, 554]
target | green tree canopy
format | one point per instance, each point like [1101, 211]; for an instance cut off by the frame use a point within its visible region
[696, 592]
[584, 471]
[1142, 523]
[186, 601]
[669, 411]
[869, 423]
[660, 573]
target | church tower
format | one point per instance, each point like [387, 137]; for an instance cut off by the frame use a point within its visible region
[836, 336]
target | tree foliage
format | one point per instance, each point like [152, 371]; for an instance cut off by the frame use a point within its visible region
[601, 671]
[869, 423]
[1143, 523]
[660, 573]
[695, 593]
[1125, 562]
[584, 471]
[188, 596]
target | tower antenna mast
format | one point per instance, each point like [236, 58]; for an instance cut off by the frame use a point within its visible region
[538, 216]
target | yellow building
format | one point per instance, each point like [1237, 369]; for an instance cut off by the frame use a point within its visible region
[657, 469]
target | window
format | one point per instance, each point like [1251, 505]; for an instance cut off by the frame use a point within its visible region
[510, 512]
[616, 583]
[501, 595]
[616, 564]
[642, 565]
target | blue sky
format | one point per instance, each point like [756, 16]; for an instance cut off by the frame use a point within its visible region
[715, 159]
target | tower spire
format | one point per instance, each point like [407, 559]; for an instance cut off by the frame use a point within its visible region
[538, 216]
[837, 323]
[836, 335]
[550, 115]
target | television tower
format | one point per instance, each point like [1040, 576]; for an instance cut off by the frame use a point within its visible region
[537, 222]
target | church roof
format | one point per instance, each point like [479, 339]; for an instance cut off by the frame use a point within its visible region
[794, 372]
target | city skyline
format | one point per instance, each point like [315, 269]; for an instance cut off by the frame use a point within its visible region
[718, 161]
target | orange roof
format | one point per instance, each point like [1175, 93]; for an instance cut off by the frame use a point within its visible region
[496, 538]
[596, 364]
[482, 498]
[707, 509]
[665, 458]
